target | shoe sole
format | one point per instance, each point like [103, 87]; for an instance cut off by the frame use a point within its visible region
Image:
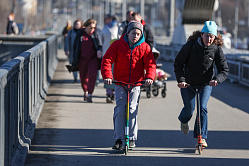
[108, 101]
[117, 148]
[204, 146]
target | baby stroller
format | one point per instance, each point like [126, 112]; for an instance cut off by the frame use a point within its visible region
[160, 80]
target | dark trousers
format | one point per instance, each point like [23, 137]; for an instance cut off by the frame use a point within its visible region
[88, 69]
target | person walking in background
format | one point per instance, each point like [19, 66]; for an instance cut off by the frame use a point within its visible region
[124, 24]
[12, 28]
[87, 55]
[131, 56]
[194, 66]
[148, 35]
[108, 34]
[69, 41]
[67, 28]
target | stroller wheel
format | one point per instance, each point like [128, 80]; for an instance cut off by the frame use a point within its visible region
[163, 94]
[148, 94]
[155, 92]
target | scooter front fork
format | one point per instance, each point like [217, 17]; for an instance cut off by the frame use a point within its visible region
[199, 139]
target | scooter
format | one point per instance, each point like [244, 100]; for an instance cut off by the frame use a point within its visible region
[197, 90]
[127, 87]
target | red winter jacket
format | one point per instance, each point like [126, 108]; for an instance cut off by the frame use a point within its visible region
[129, 63]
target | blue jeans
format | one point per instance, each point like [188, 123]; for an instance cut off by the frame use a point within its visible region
[188, 97]
[75, 74]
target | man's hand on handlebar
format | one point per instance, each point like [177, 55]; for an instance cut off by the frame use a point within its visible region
[108, 81]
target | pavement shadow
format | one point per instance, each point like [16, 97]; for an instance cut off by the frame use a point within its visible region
[147, 138]
[121, 159]
[93, 147]
[54, 98]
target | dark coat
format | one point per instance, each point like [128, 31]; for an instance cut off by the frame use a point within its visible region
[194, 64]
[77, 45]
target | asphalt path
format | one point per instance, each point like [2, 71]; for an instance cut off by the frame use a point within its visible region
[73, 132]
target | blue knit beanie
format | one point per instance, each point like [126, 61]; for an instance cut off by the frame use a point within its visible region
[210, 27]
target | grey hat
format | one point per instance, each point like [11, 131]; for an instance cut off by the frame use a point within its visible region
[134, 25]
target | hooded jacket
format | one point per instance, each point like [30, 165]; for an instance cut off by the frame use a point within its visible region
[129, 62]
[194, 64]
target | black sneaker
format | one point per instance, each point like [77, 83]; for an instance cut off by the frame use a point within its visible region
[118, 145]
[108, 99]
[85, 96]
[112, 97]
[89, 99]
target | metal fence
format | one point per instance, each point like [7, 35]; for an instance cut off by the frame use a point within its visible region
[238, 61]
[23, 84]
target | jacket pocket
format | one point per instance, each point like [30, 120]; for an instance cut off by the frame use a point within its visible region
[208, 61]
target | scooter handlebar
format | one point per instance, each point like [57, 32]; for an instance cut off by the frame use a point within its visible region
[124, 83]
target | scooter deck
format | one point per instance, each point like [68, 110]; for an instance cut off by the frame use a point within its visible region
[130, 149]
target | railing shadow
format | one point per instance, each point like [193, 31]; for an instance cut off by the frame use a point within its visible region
[94, 146]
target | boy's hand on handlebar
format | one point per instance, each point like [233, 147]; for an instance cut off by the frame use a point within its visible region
[108, 81]
[182, 85]
[213, 83]
[148, 82]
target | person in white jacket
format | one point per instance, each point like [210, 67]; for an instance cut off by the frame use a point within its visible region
[109, 33]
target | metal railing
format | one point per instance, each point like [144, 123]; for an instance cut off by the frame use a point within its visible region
[238, 61]
[23, 84]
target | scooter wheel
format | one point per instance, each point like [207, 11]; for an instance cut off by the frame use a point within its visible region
[126, 150]
[199, 149]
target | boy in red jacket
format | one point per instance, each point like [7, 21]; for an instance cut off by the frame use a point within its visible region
[130, 56]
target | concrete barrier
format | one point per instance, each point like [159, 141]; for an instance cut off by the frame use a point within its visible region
[24, 81]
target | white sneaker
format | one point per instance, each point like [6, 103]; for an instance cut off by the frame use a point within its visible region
[132, 144]
[184, 128]
[204, 143]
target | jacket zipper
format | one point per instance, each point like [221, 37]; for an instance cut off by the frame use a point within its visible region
[130, 67]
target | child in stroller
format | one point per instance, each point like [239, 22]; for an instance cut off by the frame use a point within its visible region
[159, 82]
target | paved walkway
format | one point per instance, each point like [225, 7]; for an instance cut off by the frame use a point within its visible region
[73, 132]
